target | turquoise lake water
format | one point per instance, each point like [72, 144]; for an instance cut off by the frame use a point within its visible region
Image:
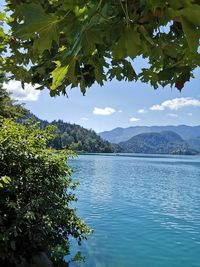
[145, 211]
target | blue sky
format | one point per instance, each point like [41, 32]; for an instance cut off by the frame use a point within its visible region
[117, 104]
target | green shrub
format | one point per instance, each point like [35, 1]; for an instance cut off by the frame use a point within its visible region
[36, 217]
[8, 107]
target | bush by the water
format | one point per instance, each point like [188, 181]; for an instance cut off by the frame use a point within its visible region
[36, 191]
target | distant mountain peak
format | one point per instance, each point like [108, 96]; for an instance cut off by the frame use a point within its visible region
[118, 135]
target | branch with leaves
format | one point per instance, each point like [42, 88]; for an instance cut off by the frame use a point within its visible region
[59, 43]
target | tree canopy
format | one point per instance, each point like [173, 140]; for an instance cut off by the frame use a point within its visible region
[9, 109]
[56, 43]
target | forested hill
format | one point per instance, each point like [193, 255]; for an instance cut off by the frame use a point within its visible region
[118, 135]
[74, 137]
[79, 139]
[157, 143]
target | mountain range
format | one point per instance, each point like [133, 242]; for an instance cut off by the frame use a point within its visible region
[157, 143]
[180, 139]
[118, 135]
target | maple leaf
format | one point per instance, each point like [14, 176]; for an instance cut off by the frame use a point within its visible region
[38, 25]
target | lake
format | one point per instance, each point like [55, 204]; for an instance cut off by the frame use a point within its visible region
[144, 210]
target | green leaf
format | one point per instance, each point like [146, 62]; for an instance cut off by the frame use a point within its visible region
[2, 16]
[12, 244]
[177, 4]
[38, 25]
[61, 72]
[58, 75]
[100, 76]
[192, 33]
[166, 74]
[5, 180]
[119, 50]
[132, 42]
[129, 44]
[192, 14]
[71, 71]
[146, 35]
[91, 39]
[2, 34]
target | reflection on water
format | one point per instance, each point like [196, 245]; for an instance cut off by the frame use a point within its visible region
[145, 211]
[101, 187]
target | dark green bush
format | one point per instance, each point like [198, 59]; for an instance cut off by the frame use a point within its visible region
[36, 191]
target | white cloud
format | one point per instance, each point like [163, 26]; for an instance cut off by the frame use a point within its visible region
[120, 111]
[84, 119]
[133, 119]
[157, 107]
[189, 114]
[142, 111]
[103, 111]
[172, 115]
[177, 103]
[29, 93]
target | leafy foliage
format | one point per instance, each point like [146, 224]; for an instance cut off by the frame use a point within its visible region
[3, 45]
[77, 43]
[8, 107]
[36, 191]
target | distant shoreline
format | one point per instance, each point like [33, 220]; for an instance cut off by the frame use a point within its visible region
[136, 155]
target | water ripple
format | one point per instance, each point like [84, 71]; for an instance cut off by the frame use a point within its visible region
[145, 211]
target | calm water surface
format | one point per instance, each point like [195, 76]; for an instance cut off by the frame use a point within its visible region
[145, 211]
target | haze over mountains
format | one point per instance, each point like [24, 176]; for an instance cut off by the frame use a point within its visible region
[118, 135]
[157, 143]
[180, 139]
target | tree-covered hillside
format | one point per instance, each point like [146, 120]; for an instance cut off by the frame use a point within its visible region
[74, 137]
[194, 143]
[77, 138]
[157, 143]
[118, 135]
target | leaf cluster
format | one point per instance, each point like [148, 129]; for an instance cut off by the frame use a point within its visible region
[8, 107]
[77, 43]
